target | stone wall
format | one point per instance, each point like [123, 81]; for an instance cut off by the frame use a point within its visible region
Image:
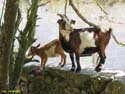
[54, 81]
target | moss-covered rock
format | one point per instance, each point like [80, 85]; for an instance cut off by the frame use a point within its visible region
[54, 81]
[115, 87]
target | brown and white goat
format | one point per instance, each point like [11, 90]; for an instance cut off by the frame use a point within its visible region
[52, 49]
[82, 42]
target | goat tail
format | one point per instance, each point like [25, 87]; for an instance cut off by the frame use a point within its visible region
[116, 40]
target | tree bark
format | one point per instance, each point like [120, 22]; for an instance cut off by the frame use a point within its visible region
[13, 54]
[6, 41]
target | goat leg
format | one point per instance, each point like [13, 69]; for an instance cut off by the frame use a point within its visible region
[102, 61]
[98, 68]
[72, 60]
[63, 60]
[78, 63]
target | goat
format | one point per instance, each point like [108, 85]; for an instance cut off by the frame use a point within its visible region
[51, 49]
[82, 42]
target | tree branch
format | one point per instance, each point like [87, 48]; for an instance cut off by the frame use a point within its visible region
[65, 8]
[101, 7]
[118, 42]
[2, 14]
[43, 4]
[80, 15]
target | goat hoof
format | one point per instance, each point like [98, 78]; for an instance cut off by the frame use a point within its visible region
[62, 65]
[97, 69]
[78, 69]
[72, 69]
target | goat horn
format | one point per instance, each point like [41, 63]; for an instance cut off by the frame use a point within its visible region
[60, 15]
[63, 17]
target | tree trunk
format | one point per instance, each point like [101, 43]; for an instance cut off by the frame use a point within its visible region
[6, 41]
[13, 54]
[26, 39]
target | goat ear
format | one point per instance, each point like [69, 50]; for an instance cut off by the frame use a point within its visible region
[58, 21]
[38, 45]
[110, 29]
[72, 21]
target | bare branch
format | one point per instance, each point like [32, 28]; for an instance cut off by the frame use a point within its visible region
[65, 6]
[2, 15]
[81, 16]
[118, 42]
[43, 4]
[101, 7]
